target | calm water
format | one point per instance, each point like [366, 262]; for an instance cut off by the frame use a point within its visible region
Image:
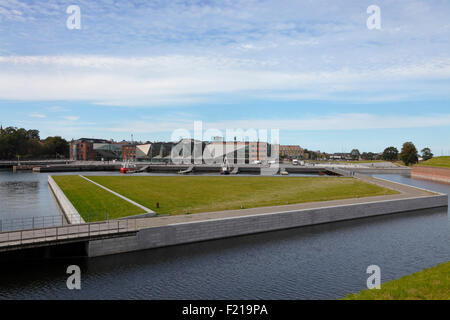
[319, 262]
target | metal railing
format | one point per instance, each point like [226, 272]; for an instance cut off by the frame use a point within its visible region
[39, 222]
[26, 223]
[66, 232]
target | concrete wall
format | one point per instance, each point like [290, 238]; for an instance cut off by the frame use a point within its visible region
[403, 171]
[431, 173]
[71, 214]
[222, 228]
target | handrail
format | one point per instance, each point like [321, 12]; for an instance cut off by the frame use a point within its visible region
[65, 232]
[36, 222]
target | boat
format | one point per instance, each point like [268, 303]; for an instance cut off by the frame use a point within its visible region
[128, 167]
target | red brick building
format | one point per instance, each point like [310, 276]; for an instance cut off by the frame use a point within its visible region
[83, 149]
[129, 152]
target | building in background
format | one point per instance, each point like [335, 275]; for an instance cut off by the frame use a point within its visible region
[83, 149]
[87, 149]
[244, 152]
[235, 152]
[293, 152]
[129, 152]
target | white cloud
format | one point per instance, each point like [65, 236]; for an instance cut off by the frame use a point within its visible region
[37, 115]
[71, 118]
[334, 122]
[162, 80]
[56, 109]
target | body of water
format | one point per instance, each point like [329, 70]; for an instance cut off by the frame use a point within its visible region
[318, 262]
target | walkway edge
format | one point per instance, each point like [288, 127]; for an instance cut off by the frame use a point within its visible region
[69, 211]
[195, 231]
[147, 210]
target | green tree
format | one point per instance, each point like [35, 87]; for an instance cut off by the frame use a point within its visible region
[390, 154]
[355, 154]
[26, 144]
[426, 154]
[368, 156]
[409, 154]
[56, 147]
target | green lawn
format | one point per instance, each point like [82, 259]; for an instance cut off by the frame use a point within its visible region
[92, 202]
[443, 162]
[429, 284]
[193, 194]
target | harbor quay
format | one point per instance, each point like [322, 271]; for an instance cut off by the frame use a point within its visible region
[327, 168]
[139, 233]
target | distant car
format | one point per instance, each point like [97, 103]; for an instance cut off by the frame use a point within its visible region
[295, 162]
[256, 162]
[271, 162]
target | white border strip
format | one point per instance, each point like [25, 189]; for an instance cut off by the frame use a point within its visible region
[318, 208]
[69, 211]
[147, 210]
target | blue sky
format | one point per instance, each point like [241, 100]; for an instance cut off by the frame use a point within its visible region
[309, 68]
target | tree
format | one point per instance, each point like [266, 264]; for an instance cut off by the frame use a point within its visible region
[355, 154]
[368, 156]
[56, 147]
[26, 144]
[426, 154]
[390, 154]
[409, 154]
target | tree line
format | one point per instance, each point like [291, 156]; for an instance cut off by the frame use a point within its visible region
[409, 154]
[27, 144]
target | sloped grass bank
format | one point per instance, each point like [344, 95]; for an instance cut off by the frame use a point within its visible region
[429, 284]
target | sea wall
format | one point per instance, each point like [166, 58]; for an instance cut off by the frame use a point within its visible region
[182, 233]
[431, 173]
[69, 211]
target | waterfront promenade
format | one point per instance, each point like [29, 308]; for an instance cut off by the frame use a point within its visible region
[144, 233]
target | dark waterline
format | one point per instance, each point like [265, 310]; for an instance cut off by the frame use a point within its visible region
[318, 262]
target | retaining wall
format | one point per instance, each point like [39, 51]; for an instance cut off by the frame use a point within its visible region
[431, 173]
[69, 211]
[222, 228]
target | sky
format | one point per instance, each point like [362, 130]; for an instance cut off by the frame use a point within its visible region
[310, 68]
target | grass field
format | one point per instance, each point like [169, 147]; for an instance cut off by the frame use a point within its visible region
[443, 162]
[429, 284]
[92, 202]
[193, 194]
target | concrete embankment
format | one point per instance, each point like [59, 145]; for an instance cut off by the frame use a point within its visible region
[175, 230]
[75, 168]
[431, 173]
[69, 211]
